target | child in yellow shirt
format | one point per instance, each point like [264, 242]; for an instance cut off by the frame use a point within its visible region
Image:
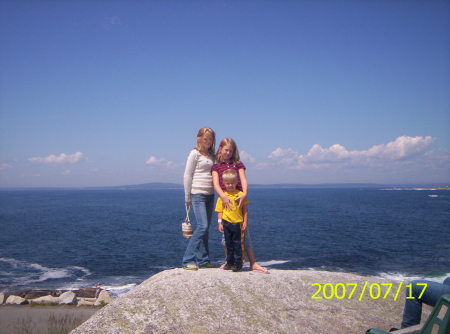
[232, 221]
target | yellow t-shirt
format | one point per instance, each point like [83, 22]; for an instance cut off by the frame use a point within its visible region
[233, 215]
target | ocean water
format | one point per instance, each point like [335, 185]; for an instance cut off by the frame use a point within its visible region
[67, 239]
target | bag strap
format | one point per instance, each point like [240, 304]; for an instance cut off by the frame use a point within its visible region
[188, 208]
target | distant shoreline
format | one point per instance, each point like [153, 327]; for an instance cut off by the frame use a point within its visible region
[175, 186]
[419, 188]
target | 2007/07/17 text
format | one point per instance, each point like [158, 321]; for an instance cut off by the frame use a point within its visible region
[373, 290]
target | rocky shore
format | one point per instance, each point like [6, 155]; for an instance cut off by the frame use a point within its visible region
[49, 311]
[81, 297]
[219, 301]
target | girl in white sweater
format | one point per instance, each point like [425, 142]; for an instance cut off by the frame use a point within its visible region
[199, 192]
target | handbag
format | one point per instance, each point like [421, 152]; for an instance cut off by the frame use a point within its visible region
[186, 226]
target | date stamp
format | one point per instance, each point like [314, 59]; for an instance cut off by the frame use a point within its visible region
[370, 290]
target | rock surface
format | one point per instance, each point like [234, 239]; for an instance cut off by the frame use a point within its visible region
[16, 300]
[82, 297]
[219, 301]
[85, 301]
[68, 298]
[103, 298]
[45, 300]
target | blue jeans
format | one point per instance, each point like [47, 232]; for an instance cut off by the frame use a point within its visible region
[197, 251]
[232, 233]
[413, 307]
[247, 239]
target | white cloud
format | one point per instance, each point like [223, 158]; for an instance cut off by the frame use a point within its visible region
[402, 149]
[246, 157]
[154, 161]
[284, 156]
[62, 158]
[4, 166]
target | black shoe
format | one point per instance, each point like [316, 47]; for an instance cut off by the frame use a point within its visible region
[237, 267]
[228, 266]
[393, 329]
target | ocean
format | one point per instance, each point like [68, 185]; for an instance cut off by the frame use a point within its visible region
[69, 239]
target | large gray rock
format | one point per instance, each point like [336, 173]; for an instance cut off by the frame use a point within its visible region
[85, 301]
[68, 298]
[45, 300]
[103, 298]
[16, 300]
[219, 301]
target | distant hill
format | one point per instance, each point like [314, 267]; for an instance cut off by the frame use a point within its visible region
[317, 186]
[167, 185]
[145, 186]
[160, 185]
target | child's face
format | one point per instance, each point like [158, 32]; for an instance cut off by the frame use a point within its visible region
[230, 185]
[226, 152]
[206, 141]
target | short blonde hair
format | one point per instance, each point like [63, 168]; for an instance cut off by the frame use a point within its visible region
[200, 134]
[230, 175]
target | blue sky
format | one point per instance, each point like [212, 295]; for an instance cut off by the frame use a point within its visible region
[96, 93]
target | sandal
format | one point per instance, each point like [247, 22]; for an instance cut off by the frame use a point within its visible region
[191, 267]
[207, 266]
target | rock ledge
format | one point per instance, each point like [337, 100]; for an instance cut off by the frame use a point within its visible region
[218, 301]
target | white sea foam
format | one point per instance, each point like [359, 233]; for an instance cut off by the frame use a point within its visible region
[406, 278]
[115, 285]
[12, 262]
[119, 290]
[273, 262]
[35, 273]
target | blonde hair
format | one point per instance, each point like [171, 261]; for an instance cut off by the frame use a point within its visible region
[230, 142]
[230, 175]
[200, 134]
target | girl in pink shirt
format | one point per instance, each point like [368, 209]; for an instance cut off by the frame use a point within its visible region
[227, 157]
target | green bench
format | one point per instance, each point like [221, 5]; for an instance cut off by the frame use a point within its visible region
[437, 323]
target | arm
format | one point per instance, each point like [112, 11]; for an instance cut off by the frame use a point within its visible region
[225, 200]
[188, 176]
[219, 225]
[241, 199]
[245, 214]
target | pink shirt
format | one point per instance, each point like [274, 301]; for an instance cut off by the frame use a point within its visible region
[222, 167]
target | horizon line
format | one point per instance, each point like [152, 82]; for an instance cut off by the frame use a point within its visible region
[171, 185]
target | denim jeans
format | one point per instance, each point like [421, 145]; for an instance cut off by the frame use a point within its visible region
[197, 251]
[247, 239]
[232, 233]
[413, 307]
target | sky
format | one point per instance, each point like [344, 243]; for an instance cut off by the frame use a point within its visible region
[104, 93]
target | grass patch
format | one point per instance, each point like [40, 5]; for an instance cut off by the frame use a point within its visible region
[55, 325]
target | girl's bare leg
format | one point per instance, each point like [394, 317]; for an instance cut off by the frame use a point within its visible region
[253, 265]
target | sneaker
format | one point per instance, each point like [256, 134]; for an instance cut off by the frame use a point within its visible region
[228, 266]
[237, 267]
[207, 266]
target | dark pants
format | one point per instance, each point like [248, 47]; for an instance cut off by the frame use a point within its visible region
[232, 233]
[431, 294]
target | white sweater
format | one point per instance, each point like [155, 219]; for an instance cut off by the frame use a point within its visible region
[197, 175]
